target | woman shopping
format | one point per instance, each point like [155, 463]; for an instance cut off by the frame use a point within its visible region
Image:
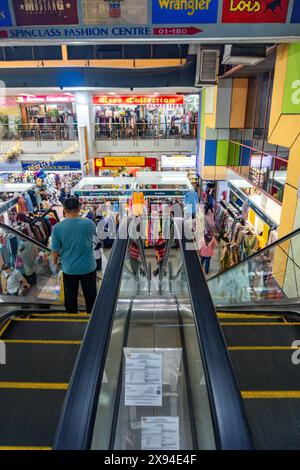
[207, 250]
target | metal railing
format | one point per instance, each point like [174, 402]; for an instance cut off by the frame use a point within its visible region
[39, 132]
[144, 130]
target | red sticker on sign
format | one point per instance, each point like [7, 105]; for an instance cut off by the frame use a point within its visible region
[255, 11]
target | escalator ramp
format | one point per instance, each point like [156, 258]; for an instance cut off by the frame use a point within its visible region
[41, 350]
[261, 350]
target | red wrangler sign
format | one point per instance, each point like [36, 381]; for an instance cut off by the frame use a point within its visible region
[254, 11]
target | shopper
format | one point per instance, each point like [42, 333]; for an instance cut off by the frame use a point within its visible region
[72, 242]
[134, 257]
[62, 195]
[12, 281]
[210, 203]
[207, 250]
[160, 250]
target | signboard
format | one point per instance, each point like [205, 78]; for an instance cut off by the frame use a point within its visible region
[254, 11]
[178, 161]
[51, 166]
[291, 97]
[5, 18]
[63, 21]
[119, 161]
[46, 99]
[184, 12]
[296, 13]
[54, 12]
[261, 161]
[138, 100]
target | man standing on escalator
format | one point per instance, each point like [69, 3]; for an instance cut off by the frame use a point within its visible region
[72, 242]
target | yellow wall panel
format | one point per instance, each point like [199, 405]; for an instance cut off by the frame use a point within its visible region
[289, 205]
[251, 216]
[238, 103]
[286, 130]
[278, 88]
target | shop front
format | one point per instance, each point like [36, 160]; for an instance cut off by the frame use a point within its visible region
[145, 116]
[48, 117]
[123, 165]
[181, 162]
[255, 206]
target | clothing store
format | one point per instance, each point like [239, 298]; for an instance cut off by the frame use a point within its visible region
[55, 114]
[180, 162]
[244, 225]
[144, 116]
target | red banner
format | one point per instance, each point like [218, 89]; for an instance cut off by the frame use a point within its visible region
[134, 100]
[255, 11]
[45, 13]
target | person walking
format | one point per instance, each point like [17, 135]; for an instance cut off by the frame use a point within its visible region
[160, 250]
[207, 249]
[72, 242]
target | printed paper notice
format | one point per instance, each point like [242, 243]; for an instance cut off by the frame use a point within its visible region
[160, 433]
[143, 379]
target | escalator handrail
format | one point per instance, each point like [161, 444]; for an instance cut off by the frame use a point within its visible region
[230, 423]
[266, 248]
[24, 237]
[75, 428]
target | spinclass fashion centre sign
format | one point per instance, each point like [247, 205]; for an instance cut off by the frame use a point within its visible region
[138, 100]
[63, 21]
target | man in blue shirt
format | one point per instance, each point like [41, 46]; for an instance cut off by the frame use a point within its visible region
[72, 242]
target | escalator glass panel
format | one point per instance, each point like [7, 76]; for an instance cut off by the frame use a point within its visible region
[272, 274]
[153, 393]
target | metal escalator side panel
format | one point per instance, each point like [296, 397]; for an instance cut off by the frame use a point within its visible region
[75, 429]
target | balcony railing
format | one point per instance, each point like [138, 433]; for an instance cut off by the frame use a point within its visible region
[39, 132]
[137, 131]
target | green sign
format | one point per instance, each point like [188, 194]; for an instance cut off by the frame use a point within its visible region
[291, 98]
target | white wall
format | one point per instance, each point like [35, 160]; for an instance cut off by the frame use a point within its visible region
[146, 146]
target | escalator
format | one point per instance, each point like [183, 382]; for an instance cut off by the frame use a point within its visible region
[165, 363]
[41, 350]
[39, 344]
[258, 305]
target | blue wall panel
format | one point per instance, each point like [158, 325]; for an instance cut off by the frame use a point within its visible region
[210, 153]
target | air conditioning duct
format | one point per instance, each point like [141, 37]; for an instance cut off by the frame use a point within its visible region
[243, 55]
[207, 66]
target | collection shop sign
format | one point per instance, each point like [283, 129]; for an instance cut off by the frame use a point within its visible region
[138, 100]
[55, 21]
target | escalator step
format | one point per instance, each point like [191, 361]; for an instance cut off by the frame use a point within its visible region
[54, 316]
[39, 362]
[275, 423]
[265, 370]
[29, 417]
[241, 318]
[261, 335]
[40, 330]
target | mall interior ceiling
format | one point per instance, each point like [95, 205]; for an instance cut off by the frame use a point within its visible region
[94, 66]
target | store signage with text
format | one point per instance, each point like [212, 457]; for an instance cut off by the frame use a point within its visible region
[119, 161]
[51, 166]
[178, 161]
[139, 100]
[46, 99]
[254, 11]
[42, 12]
[291, 97]
[67, 20]
[182, 11]
[5, 18]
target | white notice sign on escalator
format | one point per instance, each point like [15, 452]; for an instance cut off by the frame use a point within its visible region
[160, 433]
[143, 378]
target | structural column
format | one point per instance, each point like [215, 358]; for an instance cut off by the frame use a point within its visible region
[86, 131]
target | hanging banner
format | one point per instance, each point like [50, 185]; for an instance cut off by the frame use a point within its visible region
[65, 21]
[254, 11]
